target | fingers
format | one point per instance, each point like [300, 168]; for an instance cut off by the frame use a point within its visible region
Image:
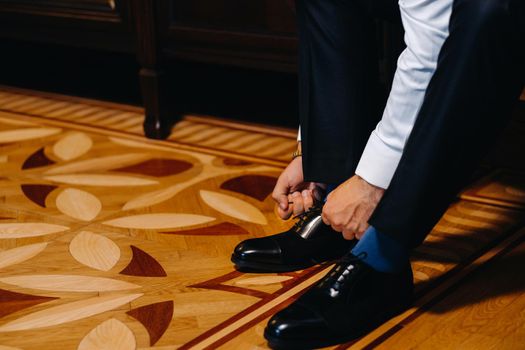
[280, 194]
[298, 205]
[284, 214]
[308, 199]
[361, 229]
[349, 235]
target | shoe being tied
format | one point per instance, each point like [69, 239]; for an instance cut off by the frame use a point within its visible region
[307, 243]
[350, 301]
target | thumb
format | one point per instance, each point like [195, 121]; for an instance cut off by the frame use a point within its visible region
[283, 202]
[280, 194]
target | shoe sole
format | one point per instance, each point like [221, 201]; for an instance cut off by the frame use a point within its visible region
[259, 267]
[301, 344]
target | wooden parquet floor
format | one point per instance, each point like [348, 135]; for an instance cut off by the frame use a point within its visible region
[112, 241]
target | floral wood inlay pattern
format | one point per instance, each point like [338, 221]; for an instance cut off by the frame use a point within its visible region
[11, 302]
[20, 254]
[233, 207]
[143, 264]
[36, 160]
[98, 164]
[94, 250]
[73, 145]
[159, 221]
[68, 283]
[158, 167]
[109, 335]
[68, 312]
[155, 318]
[100, 180]
[27, 229]
[222, 229]
[38, 193]
[256, 186]
[78, 204]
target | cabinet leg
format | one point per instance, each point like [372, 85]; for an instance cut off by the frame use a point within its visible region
[159, 116]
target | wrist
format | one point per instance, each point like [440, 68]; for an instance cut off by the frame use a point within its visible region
[298, 152]
[368, 183]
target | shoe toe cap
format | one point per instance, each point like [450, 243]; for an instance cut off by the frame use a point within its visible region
[296, 322]
[258, 249]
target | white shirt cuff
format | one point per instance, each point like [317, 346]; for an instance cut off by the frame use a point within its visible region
[378, 162]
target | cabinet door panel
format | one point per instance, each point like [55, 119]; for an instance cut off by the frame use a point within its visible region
[262, 16]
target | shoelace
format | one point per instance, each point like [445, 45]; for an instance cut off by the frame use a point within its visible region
[307, 215]
[342, 277]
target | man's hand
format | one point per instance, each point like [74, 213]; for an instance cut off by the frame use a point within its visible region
[291, 188]
[350, 205]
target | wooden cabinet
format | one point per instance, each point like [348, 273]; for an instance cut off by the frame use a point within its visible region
[254, 33]
[98, 24]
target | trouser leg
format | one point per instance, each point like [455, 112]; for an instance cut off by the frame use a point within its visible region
[338, 83]
[479, 76]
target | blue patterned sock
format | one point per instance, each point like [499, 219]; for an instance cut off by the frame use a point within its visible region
[383, 253]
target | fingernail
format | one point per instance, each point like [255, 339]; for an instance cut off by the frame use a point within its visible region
[283, 206]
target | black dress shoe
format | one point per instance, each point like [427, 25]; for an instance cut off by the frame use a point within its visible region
[307, 243]
[350, 301]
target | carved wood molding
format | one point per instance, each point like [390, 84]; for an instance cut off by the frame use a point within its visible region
[95, 10]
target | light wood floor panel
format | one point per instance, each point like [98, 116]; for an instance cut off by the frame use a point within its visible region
[108, 238]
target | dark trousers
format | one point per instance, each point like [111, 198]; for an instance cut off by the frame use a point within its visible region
[479, 76]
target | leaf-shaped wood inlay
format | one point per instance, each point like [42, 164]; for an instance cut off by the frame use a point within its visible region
[11, 302]
[222, 229]
[158, 221]
[233, 207]
[98, 164]
[29, 229]
[20, 254]
[143, 264]
[262, 281]
[94, 250]
[155, 318]
[158, 167]
[37, 159]
[109, 335]
[78, 204]
[26, 134]
[37, 193]
[68, 312]
[152, 198]
[68, 283]
[255, 186]
[101, 180]
[72, 146]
